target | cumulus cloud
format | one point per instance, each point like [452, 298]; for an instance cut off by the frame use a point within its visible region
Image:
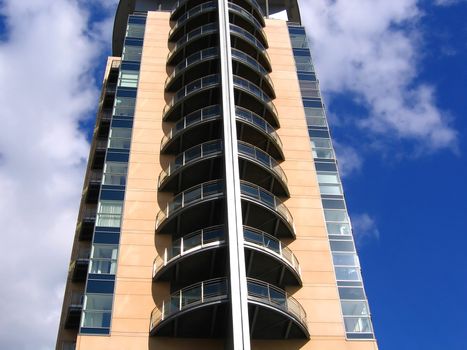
[364, 228]
[369, 49]
[47, 60]
[350, 161]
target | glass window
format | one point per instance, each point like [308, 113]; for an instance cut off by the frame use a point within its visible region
[298, 41]
[309, 88]
[124, 106]
[321, 143]
[304, 64]
[331, 189]
[115, 173]
[135, 30]
[354, 308]
[316, 121]
[348, 274]
[104, 259]
[338, 228]
[343, 259]
[314, 112]
[109, 213]
[97, 312]
[120, 138]
[335, 215]
[128, 78]
[351, 293]
[357, 324]
[328, 178]
[132, 53]
[342, 246]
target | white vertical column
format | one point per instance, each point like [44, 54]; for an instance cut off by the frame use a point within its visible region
[238, 285]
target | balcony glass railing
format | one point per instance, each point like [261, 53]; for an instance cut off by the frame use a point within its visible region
[197, 294]
[263, 240]
[208, 28]
[250, 38]
[266, 293]
[193, 195]
[217, 289]
[205, 7]
[201, 115]
[257, 154]
[251, 62]
[240, 10]
[191, 88]
[254, 4]
[258, 193]
[215, 236]
[255, 90]
[197, 152]
[212, 236]
[257, 121]
[192, 60]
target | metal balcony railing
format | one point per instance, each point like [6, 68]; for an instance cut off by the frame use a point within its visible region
[240, 10]
[250, 38]
[252, 63]
[193, 59]
[202, 8]
[192, 195]
[255, 90]
[191, 88]
[201, 115]
[195, 33]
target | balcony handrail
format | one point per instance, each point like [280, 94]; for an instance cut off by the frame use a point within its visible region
[256, 120]
[211, 236]
[192, 12]
[251, 2]
[269, 294]
[192, 154]
[253, 236]
[191, 60]
[193, 194]
[257, 154]
[251, 38]
[258, 193]
[200, 115]
[249, 60]
[207, 28]
[195, 294]
[247, 85]
[190, 88]
[247, 14]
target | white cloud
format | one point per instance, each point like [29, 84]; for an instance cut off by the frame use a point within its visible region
[370, 48]
[364, 228]
[46, 64]
[349, 159]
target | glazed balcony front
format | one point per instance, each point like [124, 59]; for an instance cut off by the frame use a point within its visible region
[200, 311]
[203, 162]
[202, 255]
[204, 125]
[198, 207]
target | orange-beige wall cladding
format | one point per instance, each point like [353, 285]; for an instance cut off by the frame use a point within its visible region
[318, 295]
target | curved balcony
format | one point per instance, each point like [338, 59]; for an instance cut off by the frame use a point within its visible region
[247, 20]
[195, 165]
[189, 17]
[201, 163]
[259, 167]
[178, 76]
[183, 6]
[197, 256]
[193, 257]
[266, 212]
[189, 39]
[253, 70]
[192, 209]
[191, 130]
[248, 95]
[274, 313]
[243, 40]
[204, 125]
[195, 95]
[199, 311]
[259, 132]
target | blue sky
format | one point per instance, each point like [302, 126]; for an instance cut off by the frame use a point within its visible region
[393, 76]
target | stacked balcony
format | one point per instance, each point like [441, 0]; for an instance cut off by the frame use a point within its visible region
[196, 263]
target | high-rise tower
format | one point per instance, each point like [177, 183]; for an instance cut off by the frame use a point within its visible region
[212, 215]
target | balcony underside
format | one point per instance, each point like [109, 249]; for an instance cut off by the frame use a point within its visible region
[268, 322]
[207, 320]
[80, 270]
[86, 229]
[73, 317]
[202, 98]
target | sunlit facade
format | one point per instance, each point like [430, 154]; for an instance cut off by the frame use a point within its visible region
[212, 215]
